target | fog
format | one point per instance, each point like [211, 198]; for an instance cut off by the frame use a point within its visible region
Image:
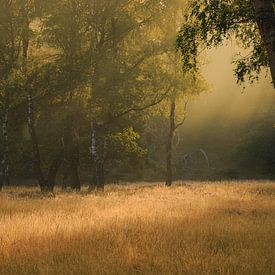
[232, 123]
[225, 100]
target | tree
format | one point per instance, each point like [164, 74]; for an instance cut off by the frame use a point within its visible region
[265, 18]
[184, 85]
[84, 77]
[119, 51]
[9, 51]
[184, 88]
[209, 23]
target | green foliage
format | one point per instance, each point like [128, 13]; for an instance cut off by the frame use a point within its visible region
[208, 24]
[106, 61]
[125, 144]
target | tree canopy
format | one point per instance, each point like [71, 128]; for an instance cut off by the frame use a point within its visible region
[210, 23]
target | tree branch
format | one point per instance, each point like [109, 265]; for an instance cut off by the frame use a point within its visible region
[155, 102]
[183, 120]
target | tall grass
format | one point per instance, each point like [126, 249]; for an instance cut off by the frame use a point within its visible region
[193, 228]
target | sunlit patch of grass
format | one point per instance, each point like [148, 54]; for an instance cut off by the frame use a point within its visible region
[191, 228]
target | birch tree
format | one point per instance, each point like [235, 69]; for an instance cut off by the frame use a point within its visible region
[208, 24]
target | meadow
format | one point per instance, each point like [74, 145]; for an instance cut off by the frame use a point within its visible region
[190, 228]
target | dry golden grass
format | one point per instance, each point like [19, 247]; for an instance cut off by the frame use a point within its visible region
[192, 228]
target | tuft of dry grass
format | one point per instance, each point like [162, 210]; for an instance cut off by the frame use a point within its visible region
[191, 228]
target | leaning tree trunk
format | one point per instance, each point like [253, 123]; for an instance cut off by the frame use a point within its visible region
[265, 17]
[169, 146]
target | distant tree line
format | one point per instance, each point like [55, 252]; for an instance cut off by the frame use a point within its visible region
[81, 80]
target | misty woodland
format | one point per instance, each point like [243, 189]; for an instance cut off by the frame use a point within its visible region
[123, 150]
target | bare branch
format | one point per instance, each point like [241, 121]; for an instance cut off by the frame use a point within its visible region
[185, 116]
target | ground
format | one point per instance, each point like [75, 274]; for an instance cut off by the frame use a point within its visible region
[190, 228]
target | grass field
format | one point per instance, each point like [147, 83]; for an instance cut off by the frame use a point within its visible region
[191, 228]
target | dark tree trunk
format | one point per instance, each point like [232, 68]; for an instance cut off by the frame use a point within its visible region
[265, 17]
[6, 146]
[71, 176]
[2, 163]
[35, 148]
[75, 182]
[98, 144]
[31, 124]
[1, 176]
[50, 183]
[93, 182]
[71, 159]
[169, 146]
[100, 177]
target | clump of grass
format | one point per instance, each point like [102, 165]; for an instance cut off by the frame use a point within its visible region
[222, 228]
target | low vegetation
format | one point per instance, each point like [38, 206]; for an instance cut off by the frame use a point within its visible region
[190, 228]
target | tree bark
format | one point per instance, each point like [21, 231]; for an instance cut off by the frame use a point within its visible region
[75, 182]
[50, 183]
[35, 146]
[31, 124]
[2, 161]
[4, 169]
[97, 150]
[6, 145]
[1, 175]
[71, 176]
[265, 17]
[71, 159]
[169, 146]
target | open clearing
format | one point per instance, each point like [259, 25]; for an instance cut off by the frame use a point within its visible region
[191, 228]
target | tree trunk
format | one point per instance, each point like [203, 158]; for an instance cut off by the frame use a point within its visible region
[75, 182]
[100, 177]
[1, 175]
[265, 17]
[31, 125]
[169, 146]
[6, 146]
[2, 161]
[5, 157]
[71, 159]
[35, 148]
[65, 177]
[93, 181]
[97, 155]
[71, 176]
[50, 183]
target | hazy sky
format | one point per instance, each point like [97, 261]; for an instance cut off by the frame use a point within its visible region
[226, 100]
